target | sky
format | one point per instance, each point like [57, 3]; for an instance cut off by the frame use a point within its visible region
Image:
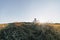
[27, 10]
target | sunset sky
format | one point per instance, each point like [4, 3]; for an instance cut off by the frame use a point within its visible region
[27, 10]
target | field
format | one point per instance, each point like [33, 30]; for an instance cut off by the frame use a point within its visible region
[29, 31]
[3, 25]
[55, 26]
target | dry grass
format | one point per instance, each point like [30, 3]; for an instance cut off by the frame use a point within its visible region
[55, 26]
[18, 23]
[3, 25]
